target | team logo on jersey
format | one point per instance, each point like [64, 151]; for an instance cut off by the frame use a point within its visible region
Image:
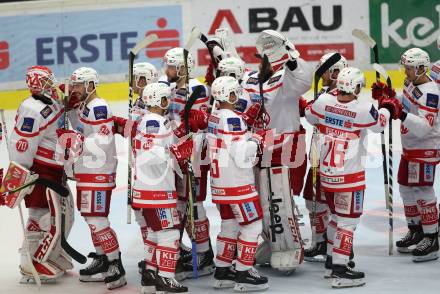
[432, 100]
[241, 105]
[202, 91]
[100, 112]
[429, 172]
[234, 124]
[28, 124]
[152, 126]
[250, 211]
[417, 93]
[274, 79]
[46, 111]
[374, 113]
[100, 200]
[86, 111]
[252, 81]
[358, 201]
[22, 145]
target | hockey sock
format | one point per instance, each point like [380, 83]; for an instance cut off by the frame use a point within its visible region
[412, 213]
[227, 243]
[343, 240]
[331, 231]
[167, 252]
[247, 245]
[427, 206]
[104, 237]
[150, 245]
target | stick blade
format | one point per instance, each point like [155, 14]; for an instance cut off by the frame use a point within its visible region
[195, 34]
[364, 37]
[144, 43]
[381, 70]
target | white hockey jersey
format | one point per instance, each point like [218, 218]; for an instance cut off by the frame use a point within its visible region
[34, 137]
[420, 132]
[154, 183]
[232, 157]
[96, 167]
[244, 100]
[343, 127]
[282, 93]
[435, 72]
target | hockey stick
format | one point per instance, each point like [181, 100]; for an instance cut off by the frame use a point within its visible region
[379, 69]
[314, 149]
[195, 34]
[20, 212]
[264, 75]
[64, 244]
[132, 55]
[370, 42]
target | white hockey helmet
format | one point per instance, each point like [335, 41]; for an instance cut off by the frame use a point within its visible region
[275, 46]
[222, 87]
[232, 66]
[146, 70]
[85, 75]
[349, 79]
[153, 94]
[340, 65]
[415, 57]
[174, 57]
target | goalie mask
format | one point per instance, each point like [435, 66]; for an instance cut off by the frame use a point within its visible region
[41, 82]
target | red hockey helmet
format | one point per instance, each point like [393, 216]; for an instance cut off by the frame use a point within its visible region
[40, 81]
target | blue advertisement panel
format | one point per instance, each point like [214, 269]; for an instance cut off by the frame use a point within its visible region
[100, 39]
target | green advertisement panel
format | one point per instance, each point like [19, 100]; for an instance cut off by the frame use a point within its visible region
[397, 25]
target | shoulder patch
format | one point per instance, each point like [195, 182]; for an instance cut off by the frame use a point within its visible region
[432, 100]
[417, 93]
[86, 111]
[152, 126]
[252, 81]
[28, 124]
[234, 124]
[46, 111]
[241, 105]
[374, 113]
[100, 112]
[274, 79]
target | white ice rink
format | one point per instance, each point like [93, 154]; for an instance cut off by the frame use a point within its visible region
[384, 274]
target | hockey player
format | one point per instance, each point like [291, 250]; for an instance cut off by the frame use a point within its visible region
[420, 134]
[321, 213]
[284, 165]
[343, 122]
[95, 175]
[144, 73]
[33, 146]
[154, 190]
[176, 74]
[232, 154]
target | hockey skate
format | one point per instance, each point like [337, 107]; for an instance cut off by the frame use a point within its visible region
[250, 280]
[116, 274]
[184, 267]
[410, 240]
[345, 277]
[316, 253]
[141, 266]
[224, 277]
[169, 285]
[427, 249]
[148, 282]
[97, 270]
[329, 265]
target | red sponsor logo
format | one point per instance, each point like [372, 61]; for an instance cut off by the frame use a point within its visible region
[168, 38]
[22, 145]
[4, 55]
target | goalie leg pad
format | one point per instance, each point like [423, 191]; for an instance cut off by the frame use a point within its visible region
[427, 205]
[51, 237]
[37, 197]
[411, 209]
[287, 250]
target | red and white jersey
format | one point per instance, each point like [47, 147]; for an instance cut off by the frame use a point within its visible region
[154, 183]
[420, 132]
[178, 100]
[232, 157]
[34, 137]
[282, 93]
[96, 167]
[244, 100]
[343, 128]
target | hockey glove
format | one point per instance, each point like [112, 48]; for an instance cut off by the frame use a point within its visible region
[251, 115]
[393, 106]
[125, 127]
[183, 150]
